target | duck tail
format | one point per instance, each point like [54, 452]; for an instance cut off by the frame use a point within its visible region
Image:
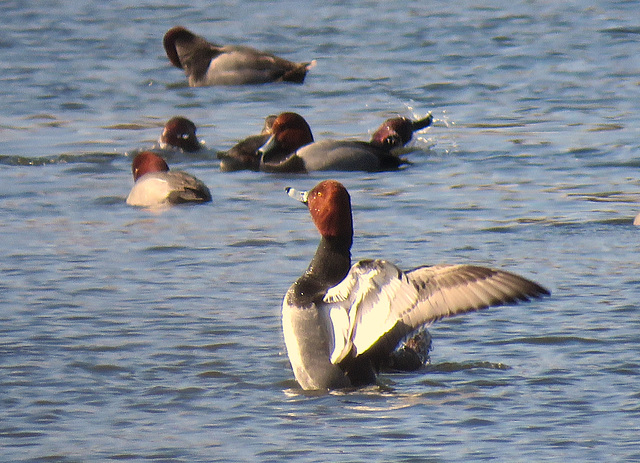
[422, 123]
[298, 72]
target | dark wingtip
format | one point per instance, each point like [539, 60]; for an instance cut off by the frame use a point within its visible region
[542, 291]
[422, 123]
[535, 291]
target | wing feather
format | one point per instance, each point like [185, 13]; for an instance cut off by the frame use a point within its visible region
[375, 315]
[341, 333]
[366, 295]
[377, 299]
[457, 289]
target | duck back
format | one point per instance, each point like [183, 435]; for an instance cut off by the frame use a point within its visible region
[347, 156]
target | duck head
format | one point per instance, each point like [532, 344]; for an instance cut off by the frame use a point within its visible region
[398, 131]
[147, 162]
[180, 132]
[290, 131]
[329, 204]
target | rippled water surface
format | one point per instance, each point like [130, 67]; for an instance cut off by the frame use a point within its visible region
[155, 336]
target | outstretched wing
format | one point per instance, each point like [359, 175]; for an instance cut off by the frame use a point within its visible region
[379, 303]
[447, 290]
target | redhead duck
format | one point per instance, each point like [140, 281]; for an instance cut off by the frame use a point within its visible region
[291, 148]
[341, 323]
[155, 185]
[391, 134]
[179, 132]
[244, 155]
[208, 64]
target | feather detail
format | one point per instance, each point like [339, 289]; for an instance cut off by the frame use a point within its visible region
[341, 330]
[376, 297]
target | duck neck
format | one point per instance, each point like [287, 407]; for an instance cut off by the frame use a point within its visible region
[328, 267]
[332, 260]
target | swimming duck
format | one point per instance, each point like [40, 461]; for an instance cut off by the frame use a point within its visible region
[208, 64]
[291, 147]
[393, 133]
[179, 132]
[244, 155]
[341, 323]
[155, 185]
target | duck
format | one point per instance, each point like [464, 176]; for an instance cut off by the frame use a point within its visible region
[244, 155]
[207, 64]
[180, 132]
[341, 322]
[291, 147]
[156, 186]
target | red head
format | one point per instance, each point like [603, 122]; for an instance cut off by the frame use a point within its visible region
[393, 133]
[180, 132]
[330, 207]
[147, 162]
[397, 132]
[290, 132]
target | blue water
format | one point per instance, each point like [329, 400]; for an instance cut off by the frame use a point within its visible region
[155, 336]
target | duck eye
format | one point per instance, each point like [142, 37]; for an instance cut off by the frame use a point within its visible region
[393, 140]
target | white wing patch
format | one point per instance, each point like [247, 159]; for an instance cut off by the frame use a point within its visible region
[341, 333]
[364, 305]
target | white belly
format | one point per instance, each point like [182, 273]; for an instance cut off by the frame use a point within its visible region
[309, 344]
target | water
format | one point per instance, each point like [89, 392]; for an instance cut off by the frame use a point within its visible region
[140, 336]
